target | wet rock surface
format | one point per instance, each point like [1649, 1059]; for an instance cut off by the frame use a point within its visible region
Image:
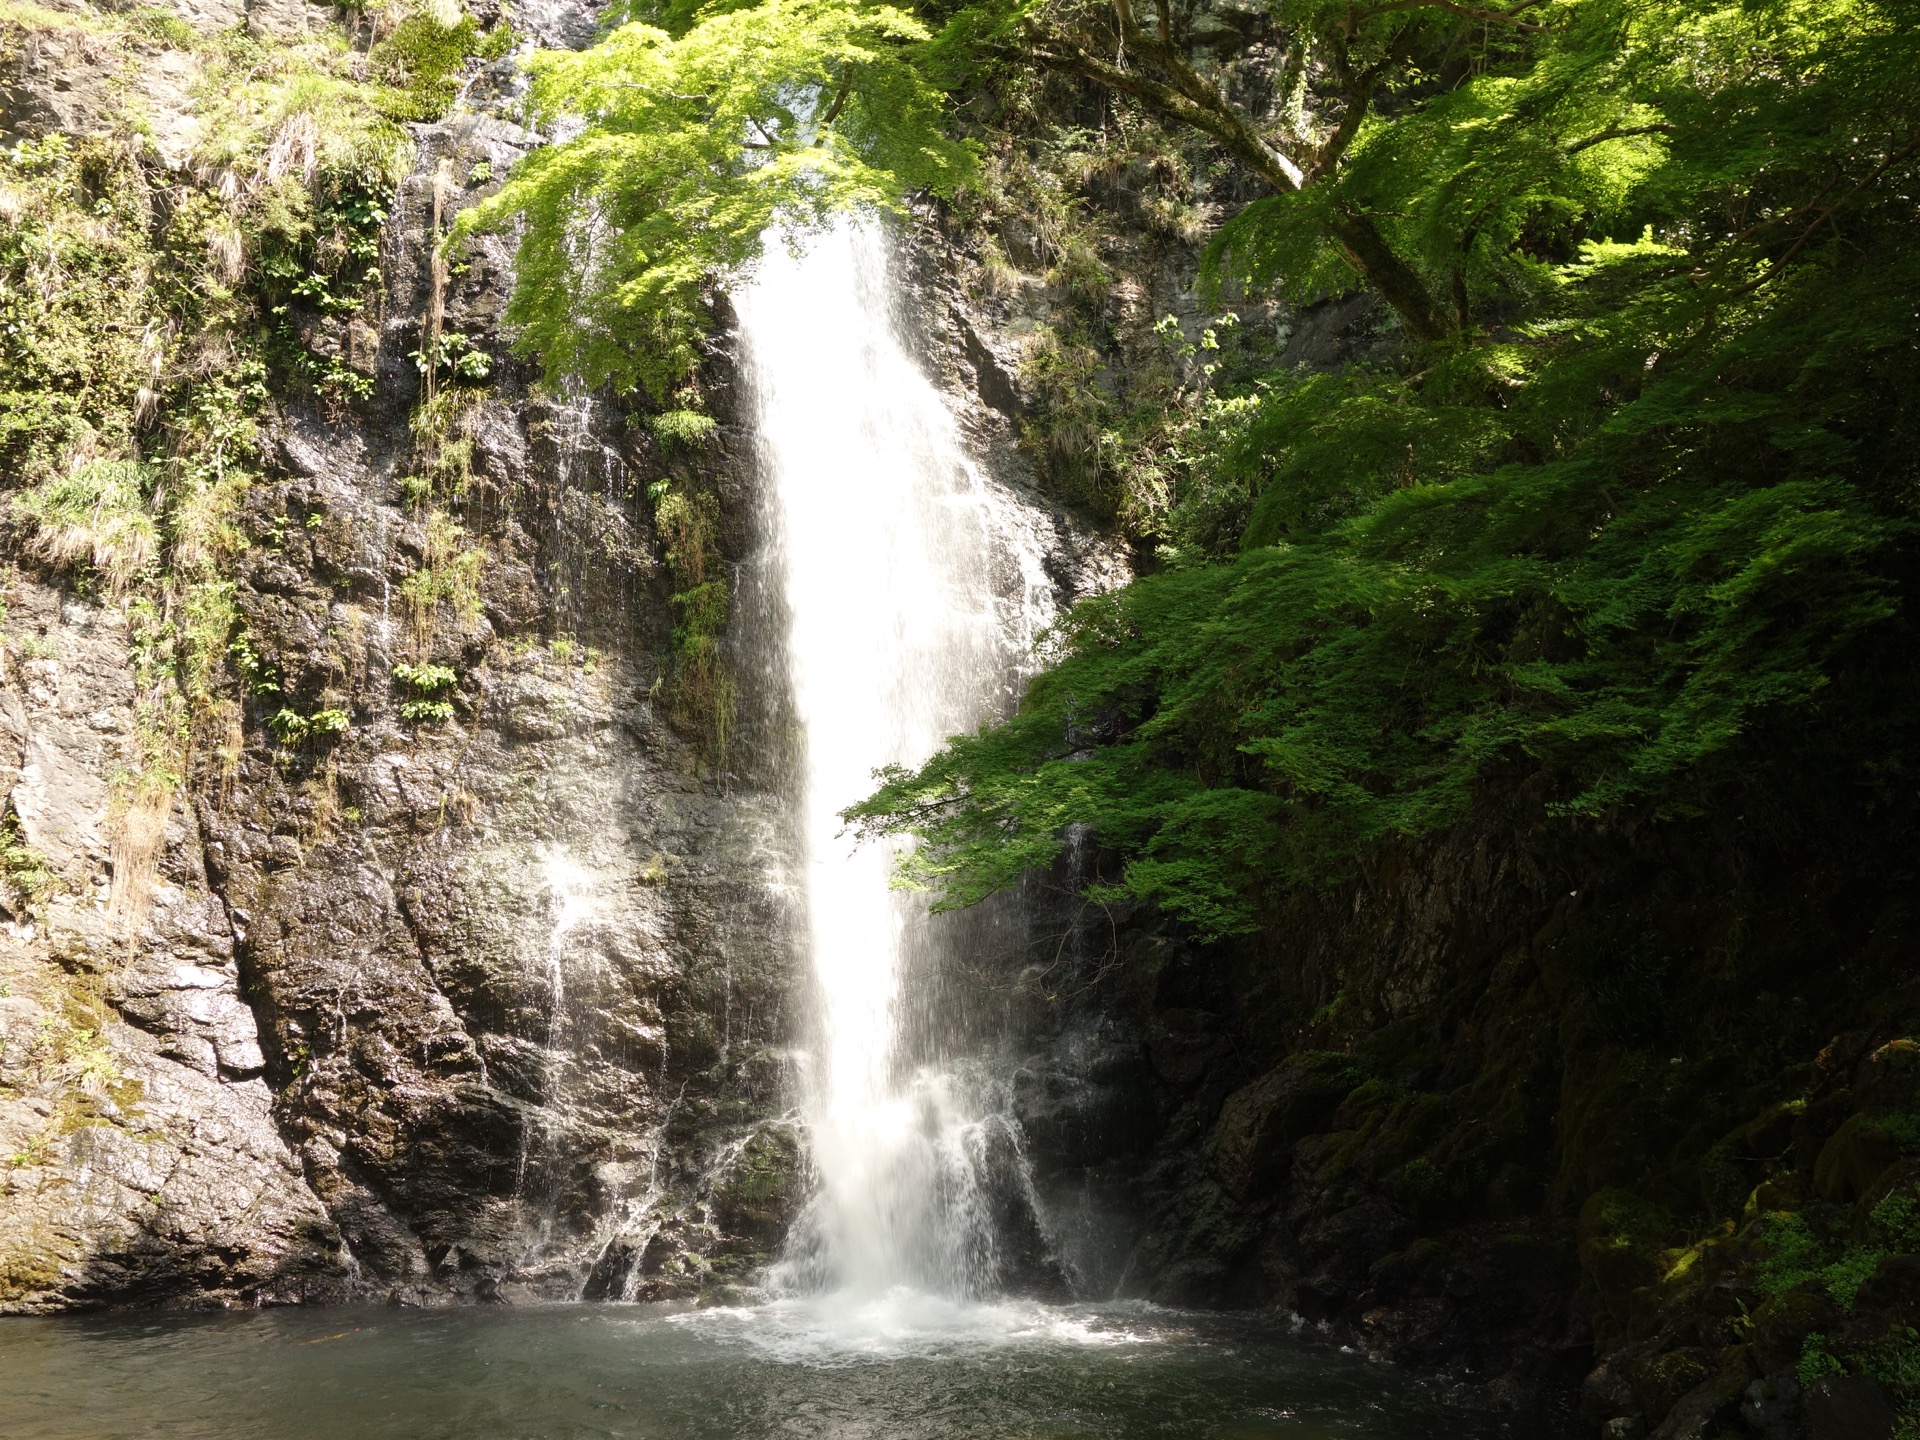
[458, 993]
[140, 1157]
[468, 970]
[1467, 1156]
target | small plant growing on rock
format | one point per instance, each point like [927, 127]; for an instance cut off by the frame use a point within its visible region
[23, 870]
[450, 571]
[684, 429]
[453, 354]
[427, 687]
[291, 728]
[256, 675]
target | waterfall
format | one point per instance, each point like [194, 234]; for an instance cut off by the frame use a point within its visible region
[913, 593]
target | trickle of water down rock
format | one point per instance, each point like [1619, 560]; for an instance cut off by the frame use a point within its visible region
[914, 591]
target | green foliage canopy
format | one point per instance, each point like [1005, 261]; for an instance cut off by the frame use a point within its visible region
[1642, 528]
[689, 151]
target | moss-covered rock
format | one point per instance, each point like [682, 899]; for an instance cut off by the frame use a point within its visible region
[1660, 1379]
[1860, 1152]
[1781, 1325]
[1621, 1238]
[757, 1196]
[1260, 1123]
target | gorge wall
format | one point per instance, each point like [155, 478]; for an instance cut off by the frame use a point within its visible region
[424, 1006]
[462, 963]
[474, 979]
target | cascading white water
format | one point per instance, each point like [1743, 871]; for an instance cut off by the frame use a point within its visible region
[912, 606]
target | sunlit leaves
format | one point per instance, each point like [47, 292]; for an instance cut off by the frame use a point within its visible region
[682, 153]
[1638, 538]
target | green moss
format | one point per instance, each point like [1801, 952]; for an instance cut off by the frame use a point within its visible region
[1622, 1246]
[700, 694]
[421, 58]
[146, 311]
[31, 1264]
[442, 463]
[1817, 1360]
[1803, 1251]
[23, 870]
[449, 574]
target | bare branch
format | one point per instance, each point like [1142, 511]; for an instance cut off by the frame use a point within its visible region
[839, 104]
[1622, 133]
[1468, 12]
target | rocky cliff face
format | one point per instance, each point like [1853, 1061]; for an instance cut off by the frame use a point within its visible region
[464, 969]
[1512, 1108]
[478, 989]
[143, 1157]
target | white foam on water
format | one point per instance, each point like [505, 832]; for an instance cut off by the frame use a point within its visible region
[841, 1327]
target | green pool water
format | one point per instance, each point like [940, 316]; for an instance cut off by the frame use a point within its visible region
[899, 1368]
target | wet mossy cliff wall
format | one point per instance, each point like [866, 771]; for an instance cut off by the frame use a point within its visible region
[1605, 1126]
[392, 876]
[397, 846]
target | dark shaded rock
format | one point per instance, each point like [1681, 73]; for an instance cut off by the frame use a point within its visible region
[1857, 1155]
[1085, 1100]
[995, 379]
[1848, 1407]
[1887, 1081]
[1607, 1391]
[1781, 1326]
[1260, 1123]
[1659, 1381]
[1701, 1411]
[1182, 1043]
[1771, 1407]
[1892, 1292]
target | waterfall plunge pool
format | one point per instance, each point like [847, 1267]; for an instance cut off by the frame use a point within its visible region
[907, 1367]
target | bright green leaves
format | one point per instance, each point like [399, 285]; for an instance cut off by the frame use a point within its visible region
[777, 115]
[426, 689]
[421, 58]
[1483, 182]
[1643, 546]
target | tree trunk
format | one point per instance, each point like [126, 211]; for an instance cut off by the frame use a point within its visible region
[1367, 249]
